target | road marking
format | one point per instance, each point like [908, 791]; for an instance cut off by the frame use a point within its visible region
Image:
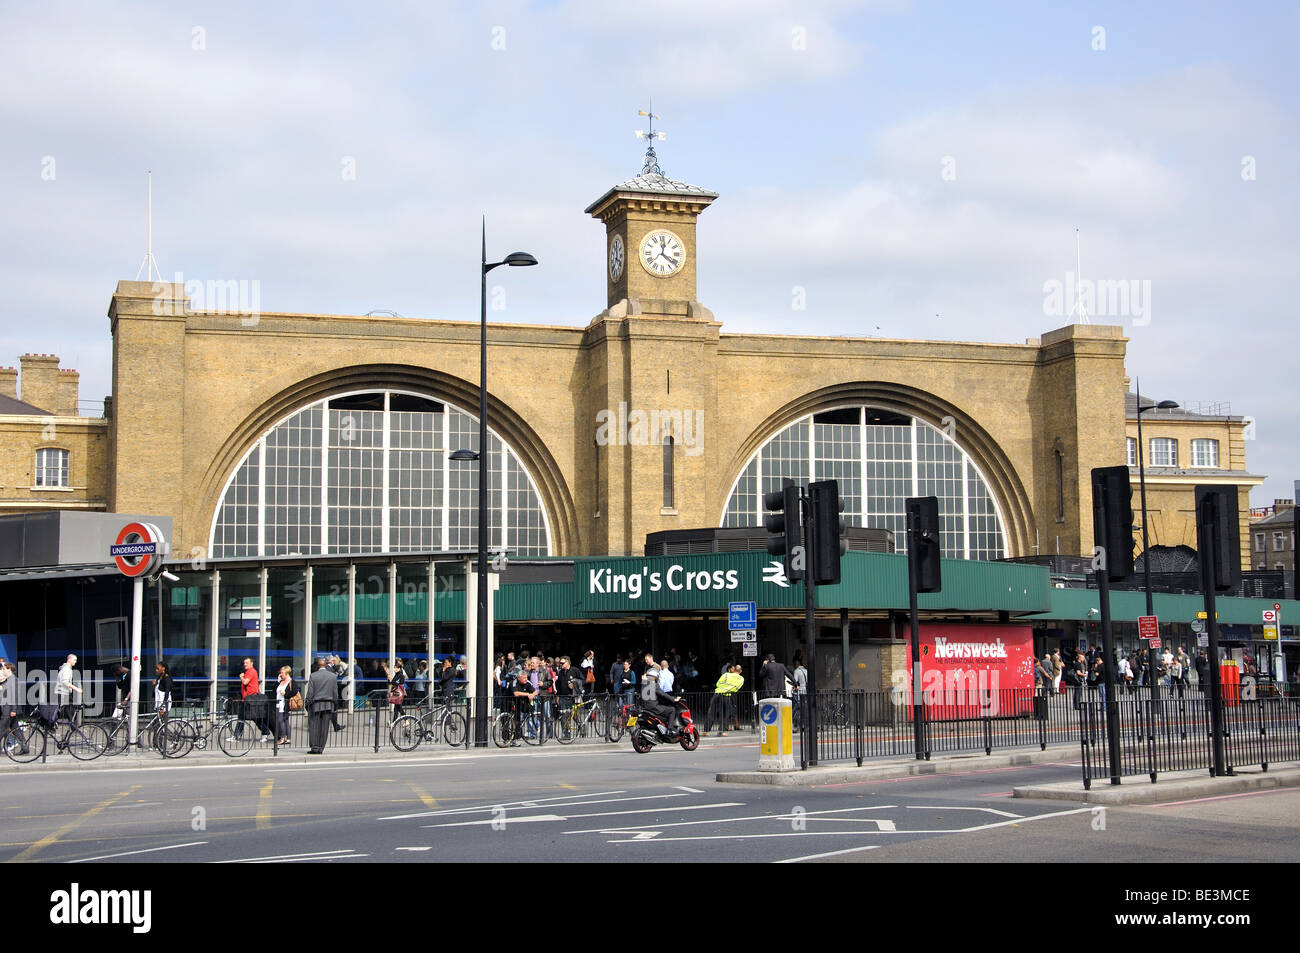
[123, 807]
[949, 807]
[832, 853]
[507, 804]
[425, 797]
[736, 820]
[49, 839]
[1224, 797]
[633, 840]
[413, 848]
[574, 817]
[689, 790]
[264, 805]
[275, 857]
[128, 853]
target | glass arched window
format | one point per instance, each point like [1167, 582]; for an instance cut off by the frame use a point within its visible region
[371, 472]
[879, 458]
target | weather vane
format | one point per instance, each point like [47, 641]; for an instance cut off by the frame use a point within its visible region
[651, 166]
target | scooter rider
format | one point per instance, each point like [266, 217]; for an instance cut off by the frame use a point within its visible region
[656, 701]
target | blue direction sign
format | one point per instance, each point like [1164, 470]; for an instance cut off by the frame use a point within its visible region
[742, 615]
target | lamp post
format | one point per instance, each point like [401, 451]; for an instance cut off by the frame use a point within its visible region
[1146, 546]
[515, 260]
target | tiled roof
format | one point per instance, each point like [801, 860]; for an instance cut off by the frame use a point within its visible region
[10, 406]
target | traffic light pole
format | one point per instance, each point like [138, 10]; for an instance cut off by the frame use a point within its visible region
[810, 622]
[913, 549]
[1208, 519]
[1101, 504]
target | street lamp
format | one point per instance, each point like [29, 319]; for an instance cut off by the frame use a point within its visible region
[1146, 546]
[515, 260]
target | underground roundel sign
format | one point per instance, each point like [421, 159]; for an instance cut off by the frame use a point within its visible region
[139, 549]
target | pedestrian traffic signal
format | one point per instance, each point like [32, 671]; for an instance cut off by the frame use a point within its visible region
[828, 531]
[923, 542]
[783, 525]
[1218, 535]
[1112, 519]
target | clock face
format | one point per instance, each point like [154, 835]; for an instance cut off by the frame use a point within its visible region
[616, 258]
[662, 253]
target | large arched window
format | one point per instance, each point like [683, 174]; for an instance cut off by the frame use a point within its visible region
[371, 472]
[879, 458]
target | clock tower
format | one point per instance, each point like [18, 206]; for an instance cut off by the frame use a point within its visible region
[650, 245]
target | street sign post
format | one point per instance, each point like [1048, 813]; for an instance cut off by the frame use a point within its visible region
[742, 615]
[750, 650]
[1148, 627]
[744, 635]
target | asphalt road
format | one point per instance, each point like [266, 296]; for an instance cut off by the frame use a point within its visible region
[604, 804]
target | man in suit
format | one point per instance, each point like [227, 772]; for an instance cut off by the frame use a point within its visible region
[322, 696]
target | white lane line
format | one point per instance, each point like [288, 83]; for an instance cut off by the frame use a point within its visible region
[987, 810]
[759, 817]
[662, 840]
[507, 819]
[682, 787]
[508, 804]
[413, 848]
[274, 857]
[832, 853]
[1021, 820]
[302, 860]
[128, 853]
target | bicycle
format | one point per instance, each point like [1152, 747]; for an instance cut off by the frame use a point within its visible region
[235, 735]
[510, 726]
[29, 739]
[440, 721]
[617, 721]
[585, 717]
[165, 737]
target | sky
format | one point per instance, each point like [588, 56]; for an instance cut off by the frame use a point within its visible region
[899, 169]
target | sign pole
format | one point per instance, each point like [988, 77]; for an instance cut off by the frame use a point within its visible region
[137, 625]
[810, 622]
[914, 621]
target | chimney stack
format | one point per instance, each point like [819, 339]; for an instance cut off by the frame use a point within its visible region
[69, 385]
[40, 381]
[9, 382]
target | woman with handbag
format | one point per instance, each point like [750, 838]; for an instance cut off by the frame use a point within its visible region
[589, 673]
[287, 699]
[396, 687]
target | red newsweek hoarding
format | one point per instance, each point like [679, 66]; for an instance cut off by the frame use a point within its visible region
[976, 670]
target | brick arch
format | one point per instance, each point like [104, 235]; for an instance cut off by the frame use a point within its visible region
[552, 489]
[1003, 482]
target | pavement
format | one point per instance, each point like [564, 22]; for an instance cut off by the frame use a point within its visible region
[1172, 786]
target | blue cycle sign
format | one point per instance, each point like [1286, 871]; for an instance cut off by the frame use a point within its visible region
[742, 615]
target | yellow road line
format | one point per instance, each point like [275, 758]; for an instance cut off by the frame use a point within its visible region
[49, 839]
[264, 805]
[423, 795]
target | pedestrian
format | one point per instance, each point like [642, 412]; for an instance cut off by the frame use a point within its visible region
[8, 700]
[1202, 670]
[627, 682]
[249, 689]
[722, 705]
[1176, 673]
[588, 667]
[1076, 676]
[447, 681]
[616, 676]
[322, 698]
[284, 691]
[1058, 669]
[162, 691]
[522, 694]
[772, 678]
[1046, 671]
[122, 679]
[65, 687]
[396, 686]
[800, 689]
[666, 677]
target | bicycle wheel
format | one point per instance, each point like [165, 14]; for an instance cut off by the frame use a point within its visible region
[564, 728]
[25, 743]
[118, 734]
[595, 723]
[406, 733]
[534, 729]
[454, 729]
[87, 742]
[175, 739]
[504, 729]
[617, 724]
[237, 737]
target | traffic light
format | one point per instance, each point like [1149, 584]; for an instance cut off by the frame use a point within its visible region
[1218, 534]
[924, 542]
[783, 525]
[828, 531]
[1112, 519]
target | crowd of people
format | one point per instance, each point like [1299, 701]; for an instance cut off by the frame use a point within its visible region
[1139, 668]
